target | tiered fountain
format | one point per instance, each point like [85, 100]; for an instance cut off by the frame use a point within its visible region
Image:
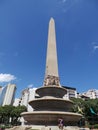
[51, 106]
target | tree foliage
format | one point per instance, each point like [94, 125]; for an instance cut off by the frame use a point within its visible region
[10, 114]
[84, 107]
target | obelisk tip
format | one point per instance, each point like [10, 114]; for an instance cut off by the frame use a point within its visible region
[51, 19]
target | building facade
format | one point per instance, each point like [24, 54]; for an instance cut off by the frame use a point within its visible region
[71, 92]
[7, 95]
[16, 102]
[92, 93]
[0, 89]
[28, 94]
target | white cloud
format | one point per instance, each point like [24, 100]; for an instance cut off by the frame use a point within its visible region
[64, 1]
[68, 4]
[95, 45]
[6, 77]
[30, 85]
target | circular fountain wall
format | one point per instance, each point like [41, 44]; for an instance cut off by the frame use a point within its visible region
[48, 109]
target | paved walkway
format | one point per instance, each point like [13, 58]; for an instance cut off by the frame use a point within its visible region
[19, 128]
[47, 128]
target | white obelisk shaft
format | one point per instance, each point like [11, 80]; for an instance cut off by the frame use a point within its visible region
[51, 60]
[51, 74]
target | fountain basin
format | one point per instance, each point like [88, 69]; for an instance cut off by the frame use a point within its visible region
[50, 117]
[51, 103]
[58, 92]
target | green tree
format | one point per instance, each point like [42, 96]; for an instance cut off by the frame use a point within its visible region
[91, 110]
[7, 113]
[78, 105]
[1, 115]
[16, 114]
[10, 114]
[86, 106]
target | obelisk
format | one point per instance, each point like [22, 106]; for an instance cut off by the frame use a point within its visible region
[51, 73]
[51, 106]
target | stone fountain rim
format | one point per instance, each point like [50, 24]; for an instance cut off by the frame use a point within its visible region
[51, 86]
[44, 89]
[52, 112]
[50, 98]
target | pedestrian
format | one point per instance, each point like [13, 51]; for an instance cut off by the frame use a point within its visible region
[60, 123]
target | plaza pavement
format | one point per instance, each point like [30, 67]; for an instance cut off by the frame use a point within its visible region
[47, 128]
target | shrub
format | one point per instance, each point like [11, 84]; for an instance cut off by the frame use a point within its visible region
[96, 126]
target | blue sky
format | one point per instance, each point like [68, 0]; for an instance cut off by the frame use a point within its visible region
[23, 42]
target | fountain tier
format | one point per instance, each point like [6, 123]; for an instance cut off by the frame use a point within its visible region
[48, 109]
[51, 117]
[54, 91]
[51, 104]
